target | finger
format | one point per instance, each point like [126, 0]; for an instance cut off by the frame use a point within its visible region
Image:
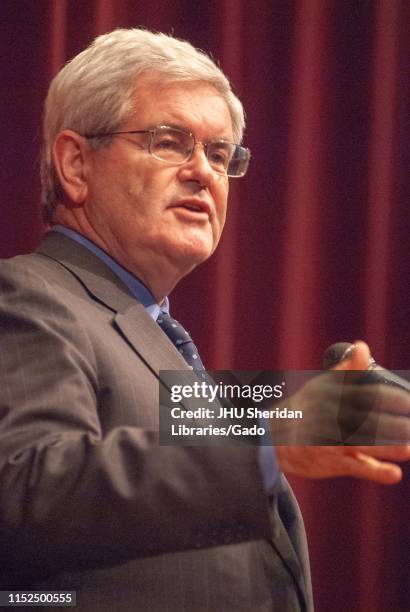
[396, 453]
[357, 358]
[368, 468]
[392, 399]
[376, 397]
[392, 429]
[373, 427]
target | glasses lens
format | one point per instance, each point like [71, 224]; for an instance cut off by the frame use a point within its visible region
[228, 158]
[219, 155]
[239, 161]
[171, 145]
[175, 146]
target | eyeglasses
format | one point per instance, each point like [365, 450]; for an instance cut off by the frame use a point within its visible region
[175, 146]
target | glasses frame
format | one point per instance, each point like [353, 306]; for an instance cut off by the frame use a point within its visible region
[205, 145]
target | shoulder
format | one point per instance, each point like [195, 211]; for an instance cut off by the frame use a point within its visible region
[38, 292]
[35, 274]
[30, 268]
[40, 314]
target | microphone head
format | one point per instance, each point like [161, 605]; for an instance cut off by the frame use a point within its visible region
[334, 354]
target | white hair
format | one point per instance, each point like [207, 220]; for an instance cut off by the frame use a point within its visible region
[93, 93]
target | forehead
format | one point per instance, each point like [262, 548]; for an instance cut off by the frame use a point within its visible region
[195, 105]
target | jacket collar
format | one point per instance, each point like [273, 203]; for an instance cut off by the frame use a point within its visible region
[103, 286]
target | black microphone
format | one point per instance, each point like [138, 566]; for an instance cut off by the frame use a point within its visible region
[375, 373]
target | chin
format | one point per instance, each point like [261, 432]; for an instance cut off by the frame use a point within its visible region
[194, 253]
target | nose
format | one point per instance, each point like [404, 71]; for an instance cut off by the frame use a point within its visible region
[197, 168]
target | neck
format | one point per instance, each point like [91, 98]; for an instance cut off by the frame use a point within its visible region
[159, 275]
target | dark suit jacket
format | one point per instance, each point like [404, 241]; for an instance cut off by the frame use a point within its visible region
[88, 499]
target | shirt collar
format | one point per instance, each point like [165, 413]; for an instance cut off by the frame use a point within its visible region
[134, 285]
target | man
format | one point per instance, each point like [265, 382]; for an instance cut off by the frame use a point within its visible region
[141, 135]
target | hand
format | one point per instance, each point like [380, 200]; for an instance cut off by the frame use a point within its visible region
[367, 462]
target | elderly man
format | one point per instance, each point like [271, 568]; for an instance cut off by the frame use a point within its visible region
[141, 137]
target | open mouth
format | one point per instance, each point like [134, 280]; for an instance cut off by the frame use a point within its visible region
[192, 207]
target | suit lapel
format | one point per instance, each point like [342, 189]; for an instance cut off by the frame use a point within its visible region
[130, 319]
[149, 341]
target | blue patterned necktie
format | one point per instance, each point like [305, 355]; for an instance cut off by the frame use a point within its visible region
[181, 339]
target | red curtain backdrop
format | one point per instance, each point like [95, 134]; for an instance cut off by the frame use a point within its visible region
[316, 247]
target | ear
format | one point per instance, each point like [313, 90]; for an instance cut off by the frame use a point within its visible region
[69, 156]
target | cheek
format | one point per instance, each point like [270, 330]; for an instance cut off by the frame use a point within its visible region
[221, 203]
[148, 187]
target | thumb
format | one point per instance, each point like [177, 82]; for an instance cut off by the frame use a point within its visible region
[357, 357]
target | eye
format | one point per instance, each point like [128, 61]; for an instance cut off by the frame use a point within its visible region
[219, 154]
[171, 145]
[167, 142]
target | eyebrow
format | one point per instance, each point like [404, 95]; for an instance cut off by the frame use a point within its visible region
[184, 128]
[176, 126]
